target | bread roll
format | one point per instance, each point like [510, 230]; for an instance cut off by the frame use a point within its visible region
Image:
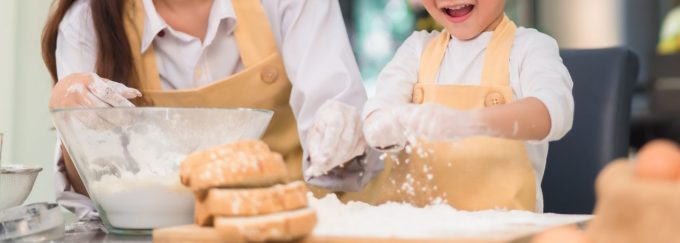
[250, 202]
[204, 156]
[283, 226]
[241, 165]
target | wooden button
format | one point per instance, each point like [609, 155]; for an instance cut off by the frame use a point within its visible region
[269, 75]
[494, 98]
[418, 95]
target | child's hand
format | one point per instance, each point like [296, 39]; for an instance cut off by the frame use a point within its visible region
[384, 128]
[437, 122]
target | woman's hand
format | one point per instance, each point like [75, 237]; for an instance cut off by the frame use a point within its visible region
[335, 138]
[88, 90]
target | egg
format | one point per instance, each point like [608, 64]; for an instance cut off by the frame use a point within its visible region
[659, 160]
[565, 234]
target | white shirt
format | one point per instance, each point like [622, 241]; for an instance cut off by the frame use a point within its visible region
[536, 70]
[310, 34]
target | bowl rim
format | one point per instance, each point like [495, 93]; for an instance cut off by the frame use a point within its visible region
[160, 108]
[20, 169]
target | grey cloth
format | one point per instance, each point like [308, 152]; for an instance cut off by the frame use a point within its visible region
[352, 176]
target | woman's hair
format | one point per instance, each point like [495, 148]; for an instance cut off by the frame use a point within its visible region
[114, 56]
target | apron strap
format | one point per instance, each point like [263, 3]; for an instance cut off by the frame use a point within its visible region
[253, 32]
[432, 57]
[496, 70]
[145, 63]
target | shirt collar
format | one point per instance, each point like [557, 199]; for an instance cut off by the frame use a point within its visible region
[221, 10]
[154, 23]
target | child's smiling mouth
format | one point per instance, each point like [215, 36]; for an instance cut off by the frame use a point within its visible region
[458, 13]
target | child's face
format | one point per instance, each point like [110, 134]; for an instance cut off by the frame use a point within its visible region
[466, 19]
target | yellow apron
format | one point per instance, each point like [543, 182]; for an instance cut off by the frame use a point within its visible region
[263, 84]
[476, 173]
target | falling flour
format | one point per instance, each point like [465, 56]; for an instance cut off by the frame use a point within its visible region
[396, 220]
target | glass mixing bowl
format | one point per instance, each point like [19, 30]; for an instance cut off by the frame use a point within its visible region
[129, 158]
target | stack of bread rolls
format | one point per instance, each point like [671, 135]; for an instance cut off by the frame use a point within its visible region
[240, 190]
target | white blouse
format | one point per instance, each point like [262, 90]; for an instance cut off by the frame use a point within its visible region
[311, 37]
[536, 70]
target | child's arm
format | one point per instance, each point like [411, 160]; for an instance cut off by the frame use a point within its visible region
[525, 119]
[544, 111]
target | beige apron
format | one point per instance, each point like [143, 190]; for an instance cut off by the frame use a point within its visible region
[263, 84]
[476, 173]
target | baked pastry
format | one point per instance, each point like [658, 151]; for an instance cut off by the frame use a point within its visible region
[244, 164]
[250, 202]
[205, 156]
[285, 226]
[238, 189]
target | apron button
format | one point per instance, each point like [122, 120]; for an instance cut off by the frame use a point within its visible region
[269, 75]
[494, 98]
[418, 95]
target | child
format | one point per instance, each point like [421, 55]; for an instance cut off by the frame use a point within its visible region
[483, 97]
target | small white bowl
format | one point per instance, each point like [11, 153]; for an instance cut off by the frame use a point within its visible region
[16, 182]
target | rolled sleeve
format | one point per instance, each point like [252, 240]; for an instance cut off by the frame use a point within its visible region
[318, 59]
[76, 51]
[544, 76]
[320, 64]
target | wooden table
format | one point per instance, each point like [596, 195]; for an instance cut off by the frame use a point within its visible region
[196, 234]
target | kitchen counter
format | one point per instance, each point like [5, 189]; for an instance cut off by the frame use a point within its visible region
[101, 236]
[97, 237]
[93, 232]
[522, 231]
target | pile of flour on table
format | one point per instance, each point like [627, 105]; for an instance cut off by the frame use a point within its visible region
[397, 220]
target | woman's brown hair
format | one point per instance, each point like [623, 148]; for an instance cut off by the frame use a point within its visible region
[114, 56]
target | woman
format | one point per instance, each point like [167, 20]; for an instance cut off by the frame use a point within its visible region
[290, 56]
